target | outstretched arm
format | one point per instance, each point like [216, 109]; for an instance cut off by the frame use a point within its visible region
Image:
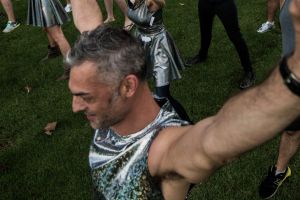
[246, 121]
[86, 14]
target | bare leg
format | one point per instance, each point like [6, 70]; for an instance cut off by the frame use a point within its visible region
[289, 144]
[58, 37]
[109, 10]
[272, 5]
[123, 6]
[86, 14]
[52, 43]
[8, 7]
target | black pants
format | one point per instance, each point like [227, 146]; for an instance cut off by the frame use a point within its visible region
[227, 12]
[164, 91]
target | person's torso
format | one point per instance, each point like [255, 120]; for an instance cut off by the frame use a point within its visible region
[143, 18]
[119, 163]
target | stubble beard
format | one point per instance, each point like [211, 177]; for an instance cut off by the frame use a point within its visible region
[111, 117]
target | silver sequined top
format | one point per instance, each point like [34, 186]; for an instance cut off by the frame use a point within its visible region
[119, 163]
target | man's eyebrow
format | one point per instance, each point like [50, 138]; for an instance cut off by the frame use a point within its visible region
[80, 94]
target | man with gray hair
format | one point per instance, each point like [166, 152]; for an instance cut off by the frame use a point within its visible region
[141, 149]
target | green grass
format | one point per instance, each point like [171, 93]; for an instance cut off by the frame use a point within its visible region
[36, 166]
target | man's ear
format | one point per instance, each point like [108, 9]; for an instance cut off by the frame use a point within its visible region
[129, 85]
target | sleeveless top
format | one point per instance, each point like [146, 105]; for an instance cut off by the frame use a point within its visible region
[119, 164]
[162, 56]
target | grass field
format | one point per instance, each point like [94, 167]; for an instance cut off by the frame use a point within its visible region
[34, 165]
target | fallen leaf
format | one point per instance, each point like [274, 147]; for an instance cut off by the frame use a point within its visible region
[182, 4]
[50, 127]
[48, 133]
[27, 88]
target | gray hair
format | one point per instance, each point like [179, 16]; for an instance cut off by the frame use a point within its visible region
[115, 52]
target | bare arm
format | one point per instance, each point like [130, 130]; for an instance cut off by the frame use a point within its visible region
[246, 121]
[86, 14]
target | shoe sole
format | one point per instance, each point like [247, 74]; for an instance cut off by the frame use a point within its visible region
[289, 173]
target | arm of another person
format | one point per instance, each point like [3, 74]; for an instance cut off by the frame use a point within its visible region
[245, 121]
[86, 14]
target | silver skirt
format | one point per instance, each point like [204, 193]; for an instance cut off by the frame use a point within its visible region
[46, 13]
[162, 56]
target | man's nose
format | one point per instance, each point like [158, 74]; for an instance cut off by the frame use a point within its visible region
[77, 104]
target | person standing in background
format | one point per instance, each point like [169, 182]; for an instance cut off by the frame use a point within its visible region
[12, 24]
[50, 15]
[162, 56]
[290, 139]
[227, 12]
[272, 5]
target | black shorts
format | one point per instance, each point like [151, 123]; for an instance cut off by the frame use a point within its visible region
[294, 126]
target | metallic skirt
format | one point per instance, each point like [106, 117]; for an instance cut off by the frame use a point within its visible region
[46, 13]
[162, 56]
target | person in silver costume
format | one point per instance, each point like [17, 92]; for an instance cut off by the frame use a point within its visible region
[163, 58]
[50, 15]
[290, 138]
[12, 24]
[141, 149]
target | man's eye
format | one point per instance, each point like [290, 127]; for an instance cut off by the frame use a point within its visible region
[87, 99]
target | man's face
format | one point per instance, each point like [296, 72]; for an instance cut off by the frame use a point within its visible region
[100, 102]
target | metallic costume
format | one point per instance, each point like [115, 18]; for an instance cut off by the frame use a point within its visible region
[46, 13]
[163, 58]
[119, 163]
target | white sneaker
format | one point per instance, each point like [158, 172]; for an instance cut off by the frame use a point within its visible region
[265, 27]
[10, 26]
[68, 8]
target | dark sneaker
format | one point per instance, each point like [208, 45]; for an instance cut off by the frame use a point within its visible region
[53, 52]
[195, 60]
[272, 182]
[248, 80]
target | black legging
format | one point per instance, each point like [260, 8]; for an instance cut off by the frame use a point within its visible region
[164, 91]
[227, 12]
